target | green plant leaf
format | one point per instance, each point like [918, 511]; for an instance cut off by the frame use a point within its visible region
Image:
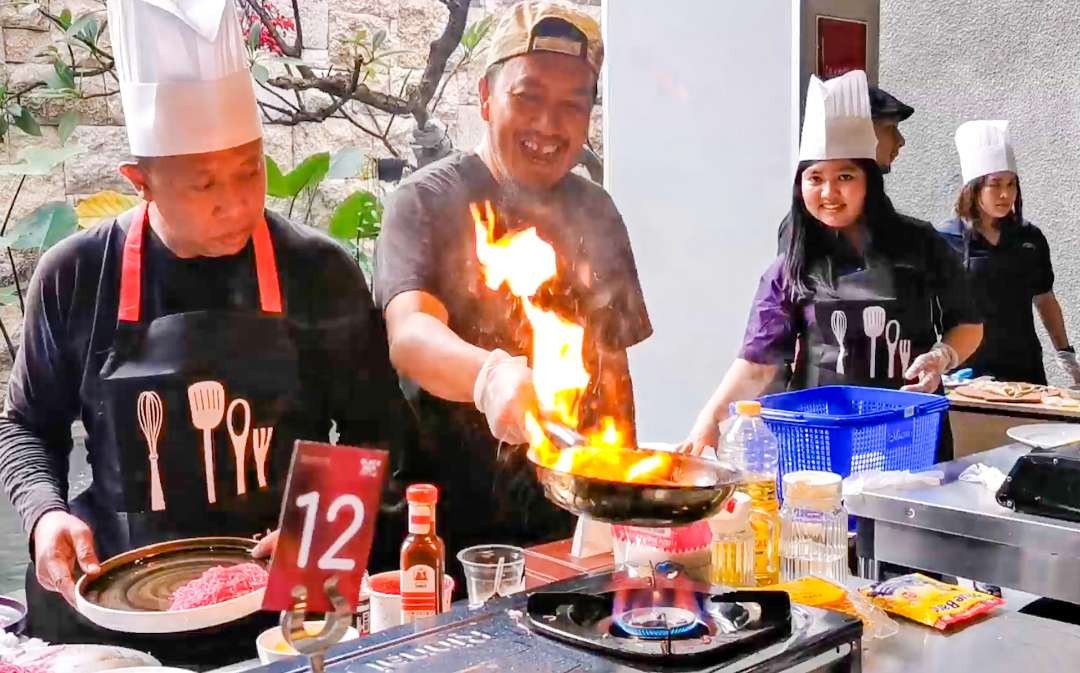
[308, 175]
[358, 216]
[254, 34]
[41, 160]
[62, 77]
[67, 124]
[287, 60]
[260, 72]
[378, 38]
[44, 227]
[476, 32]
[65, 18]
[26, 122]
[85, 27]
[345, 163]
[3, 124]
[9, 296]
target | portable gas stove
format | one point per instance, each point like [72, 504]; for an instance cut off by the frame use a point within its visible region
[612, 622]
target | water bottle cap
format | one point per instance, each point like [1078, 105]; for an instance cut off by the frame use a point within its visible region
[748, 408]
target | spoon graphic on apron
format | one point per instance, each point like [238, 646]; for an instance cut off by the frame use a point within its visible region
[873, 325]
[892, 338]
[207, 401]
[151, 414]
[239, 440]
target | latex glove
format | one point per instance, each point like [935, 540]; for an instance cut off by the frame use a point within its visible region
[1067, 361]
[266, 545]
[60, 541]
[929, 367]
[503, 392]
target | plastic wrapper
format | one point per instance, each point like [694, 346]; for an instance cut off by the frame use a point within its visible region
[821, 593]
[930, 602]
[874, 479]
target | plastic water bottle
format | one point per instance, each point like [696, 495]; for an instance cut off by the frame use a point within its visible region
[748, 444]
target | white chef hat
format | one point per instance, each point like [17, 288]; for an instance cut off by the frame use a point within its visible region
[985, 148]
[837, 123]
[183, 71]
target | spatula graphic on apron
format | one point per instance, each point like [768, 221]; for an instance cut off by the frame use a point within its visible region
[874, 326]
[207, 401]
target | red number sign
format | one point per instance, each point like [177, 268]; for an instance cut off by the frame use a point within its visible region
[841, 46]
[327, 523]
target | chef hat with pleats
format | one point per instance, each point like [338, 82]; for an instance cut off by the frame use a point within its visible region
[985, 148]
[837, 123]
[183, 71]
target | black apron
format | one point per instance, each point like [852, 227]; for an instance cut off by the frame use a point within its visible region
[900, 290]
[1010, 349]
[219, 392]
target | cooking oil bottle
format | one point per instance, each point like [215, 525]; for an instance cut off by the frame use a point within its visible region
[751, 447]
[733, 544]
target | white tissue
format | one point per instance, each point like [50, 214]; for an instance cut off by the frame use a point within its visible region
[874, 479]
[988, 476]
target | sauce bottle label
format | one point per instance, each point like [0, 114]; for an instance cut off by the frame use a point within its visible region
[419, 597]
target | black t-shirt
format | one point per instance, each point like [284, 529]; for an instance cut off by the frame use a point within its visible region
[1005, 278]
[71, 317]
[428, 243]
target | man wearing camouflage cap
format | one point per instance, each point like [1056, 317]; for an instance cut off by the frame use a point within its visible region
[465, 345]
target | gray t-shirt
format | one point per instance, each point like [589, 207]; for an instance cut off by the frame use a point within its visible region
[428, 243]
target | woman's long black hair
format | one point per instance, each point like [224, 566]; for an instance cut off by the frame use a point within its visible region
[811, 241]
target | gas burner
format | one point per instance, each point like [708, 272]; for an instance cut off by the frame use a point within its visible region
[656, 623]
[651, 622]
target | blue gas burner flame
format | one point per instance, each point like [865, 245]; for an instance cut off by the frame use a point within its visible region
[657, 623]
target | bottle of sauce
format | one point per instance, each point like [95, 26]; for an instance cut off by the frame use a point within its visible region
[752, 448]
[423, 557]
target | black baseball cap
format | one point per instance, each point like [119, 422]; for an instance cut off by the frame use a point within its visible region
[885, 105]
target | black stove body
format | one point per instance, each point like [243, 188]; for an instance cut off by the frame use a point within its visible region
[612, 623]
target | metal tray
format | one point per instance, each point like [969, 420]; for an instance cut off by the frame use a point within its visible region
[133, 590]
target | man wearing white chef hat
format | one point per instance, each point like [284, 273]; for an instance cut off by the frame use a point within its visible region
[1007, 260]
[196, 336]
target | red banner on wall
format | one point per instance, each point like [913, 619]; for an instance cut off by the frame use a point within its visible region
[841, 46]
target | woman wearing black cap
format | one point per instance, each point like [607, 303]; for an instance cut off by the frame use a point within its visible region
[1007, 260]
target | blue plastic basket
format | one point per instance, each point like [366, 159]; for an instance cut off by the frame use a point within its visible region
[846, 429]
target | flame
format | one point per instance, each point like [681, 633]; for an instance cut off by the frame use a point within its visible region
[523, 262]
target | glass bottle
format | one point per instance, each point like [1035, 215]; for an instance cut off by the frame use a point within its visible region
[749, 445]
[813, 527]
[423, 557]
[733, 544]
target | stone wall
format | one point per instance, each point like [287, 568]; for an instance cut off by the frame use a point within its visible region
[326, 24]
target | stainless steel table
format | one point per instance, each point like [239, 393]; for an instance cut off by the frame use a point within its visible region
[958, 529]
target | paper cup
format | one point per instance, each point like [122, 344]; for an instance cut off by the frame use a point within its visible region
[272, 647]
[386, 599]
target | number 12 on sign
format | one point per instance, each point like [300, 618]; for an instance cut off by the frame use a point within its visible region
[326, 530]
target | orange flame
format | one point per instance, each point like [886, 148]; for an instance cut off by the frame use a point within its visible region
[524, 262]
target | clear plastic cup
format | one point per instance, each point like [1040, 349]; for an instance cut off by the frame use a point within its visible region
[492, 569]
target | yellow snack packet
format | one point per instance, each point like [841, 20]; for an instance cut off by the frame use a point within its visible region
[928, 601]
[821, 593]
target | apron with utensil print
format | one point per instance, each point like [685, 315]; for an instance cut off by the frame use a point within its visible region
[866, 327]
[199, 408]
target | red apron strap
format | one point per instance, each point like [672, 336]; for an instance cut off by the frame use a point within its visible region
[266, 268]
[131, 268]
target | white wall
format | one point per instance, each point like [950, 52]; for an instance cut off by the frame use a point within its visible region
[700, 137]
[991, 59]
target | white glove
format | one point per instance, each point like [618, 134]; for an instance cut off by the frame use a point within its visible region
[503, 392]
[1067, 361]
[927, 369]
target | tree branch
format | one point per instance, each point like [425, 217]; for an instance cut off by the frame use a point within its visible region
[438, 56]
[338, 86]
[298, 43]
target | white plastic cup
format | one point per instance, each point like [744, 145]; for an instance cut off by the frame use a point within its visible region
[481, 566]
[386, 599]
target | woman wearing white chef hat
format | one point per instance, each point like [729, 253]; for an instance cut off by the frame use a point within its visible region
[859, 288]
[1007, 260]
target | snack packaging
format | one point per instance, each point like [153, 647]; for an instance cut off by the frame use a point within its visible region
[928, 601]
[821, 593]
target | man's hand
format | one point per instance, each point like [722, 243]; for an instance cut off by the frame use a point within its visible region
[61, 540]
[1066, 359]
[504, 393]
[266, 546]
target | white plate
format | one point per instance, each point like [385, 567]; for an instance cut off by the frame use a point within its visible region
[86, 659]
[1046, 435]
